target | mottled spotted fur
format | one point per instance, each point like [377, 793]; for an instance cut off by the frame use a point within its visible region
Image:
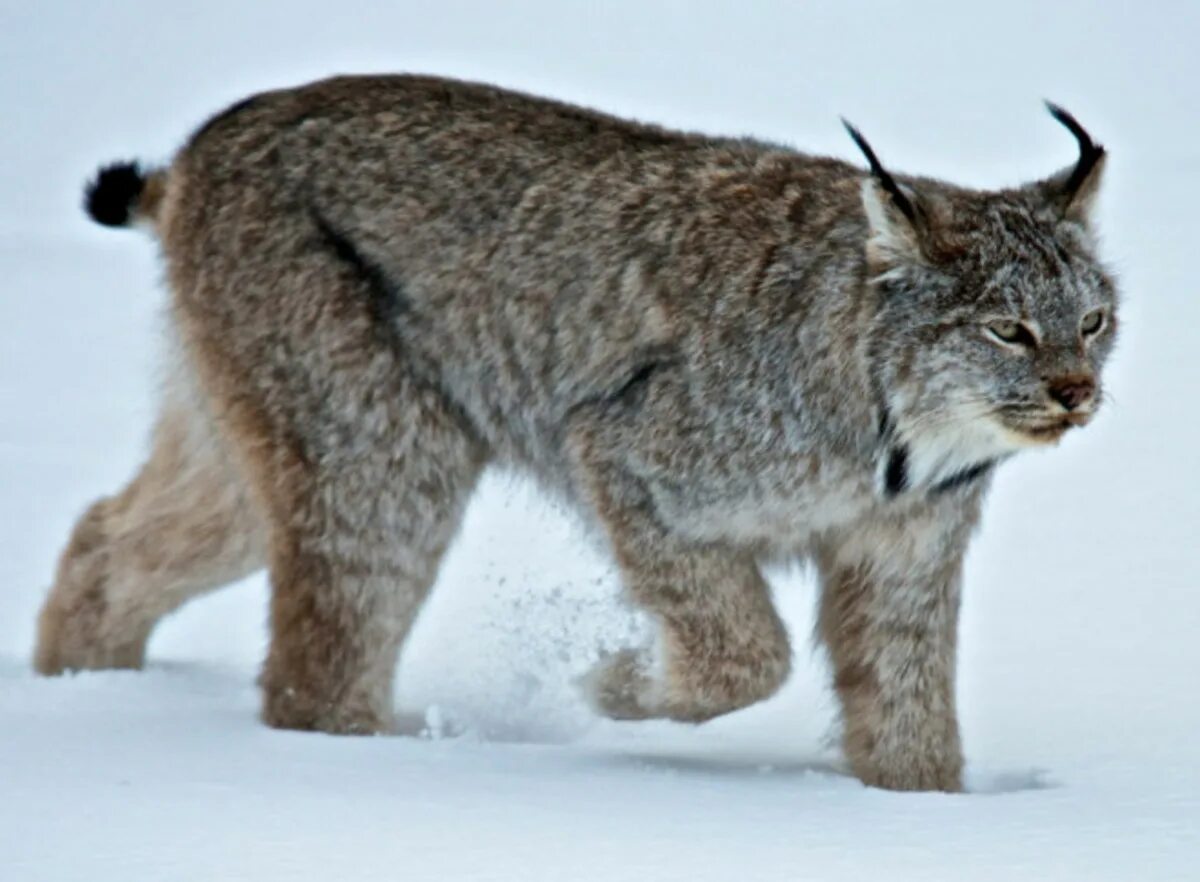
[720, 350]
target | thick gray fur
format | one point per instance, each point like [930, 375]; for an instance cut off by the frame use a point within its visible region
[721, 351]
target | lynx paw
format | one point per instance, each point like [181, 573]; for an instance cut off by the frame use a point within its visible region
[74, 635]
[292, 708]
[912, 773]
[622, 687]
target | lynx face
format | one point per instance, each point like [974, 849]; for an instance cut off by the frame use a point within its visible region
[996, 317]
[1043, 324]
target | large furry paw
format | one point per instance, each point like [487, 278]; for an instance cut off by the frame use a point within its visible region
[910, 751]
[74, 634]
[629, 685]
[294, 707]
[623, 687]
[912, 772]
[79, 628]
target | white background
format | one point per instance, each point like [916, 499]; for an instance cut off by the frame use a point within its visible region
[1078, 682]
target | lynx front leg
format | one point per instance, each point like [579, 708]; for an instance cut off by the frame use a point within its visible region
[889, 610]
[722, 646]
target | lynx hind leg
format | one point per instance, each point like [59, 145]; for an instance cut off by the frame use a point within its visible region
[356, 545]
[183, 526]
[722, 647]
[361, 468]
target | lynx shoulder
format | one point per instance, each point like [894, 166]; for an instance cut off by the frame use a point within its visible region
[719, 350]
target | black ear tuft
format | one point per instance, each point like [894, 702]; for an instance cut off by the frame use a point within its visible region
[899, 197]
[1089, 151]
[111, 197]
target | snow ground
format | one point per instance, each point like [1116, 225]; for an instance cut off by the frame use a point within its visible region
[1079, 652]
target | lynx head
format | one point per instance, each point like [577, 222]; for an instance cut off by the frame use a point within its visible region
[995, 315]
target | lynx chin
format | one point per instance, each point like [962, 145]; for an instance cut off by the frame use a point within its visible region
[721, 351]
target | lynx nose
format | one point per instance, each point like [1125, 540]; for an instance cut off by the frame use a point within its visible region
[1071, 392]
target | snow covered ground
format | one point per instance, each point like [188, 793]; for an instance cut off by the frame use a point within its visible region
[1080, 658]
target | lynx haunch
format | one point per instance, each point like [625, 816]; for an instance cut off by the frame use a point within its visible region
[721, 351]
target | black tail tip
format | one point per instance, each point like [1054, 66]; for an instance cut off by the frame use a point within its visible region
[112, 196]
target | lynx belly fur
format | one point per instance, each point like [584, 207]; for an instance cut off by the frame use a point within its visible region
[720, 351]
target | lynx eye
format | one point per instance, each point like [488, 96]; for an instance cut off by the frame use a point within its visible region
[1092, 323]
[1012, 332]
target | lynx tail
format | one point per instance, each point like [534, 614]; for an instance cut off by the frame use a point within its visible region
[122, 194]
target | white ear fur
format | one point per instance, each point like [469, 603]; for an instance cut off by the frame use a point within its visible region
[892, 236]
[1074, 213]
[1081, 205]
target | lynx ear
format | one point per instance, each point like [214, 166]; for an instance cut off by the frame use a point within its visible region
[897, 222]
[893, 238]
[1072, 192]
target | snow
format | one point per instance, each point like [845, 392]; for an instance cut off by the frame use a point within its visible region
[1079, 651]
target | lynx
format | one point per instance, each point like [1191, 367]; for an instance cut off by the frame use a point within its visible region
[720, 351]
